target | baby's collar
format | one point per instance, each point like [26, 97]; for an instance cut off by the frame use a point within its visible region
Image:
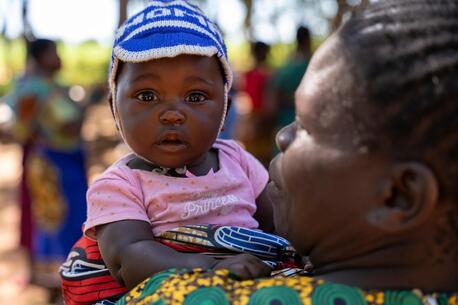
[141, 164]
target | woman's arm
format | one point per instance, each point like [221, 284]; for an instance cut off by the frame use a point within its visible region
[132, 255]
[26, 112]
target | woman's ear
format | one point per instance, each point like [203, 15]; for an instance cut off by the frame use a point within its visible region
[408, 198]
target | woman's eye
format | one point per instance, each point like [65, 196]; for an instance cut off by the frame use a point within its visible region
[196, 98]
[147, 96]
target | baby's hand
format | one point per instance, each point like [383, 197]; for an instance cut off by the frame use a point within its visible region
[245, 266]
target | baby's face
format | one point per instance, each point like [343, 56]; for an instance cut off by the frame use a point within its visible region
[170, 109]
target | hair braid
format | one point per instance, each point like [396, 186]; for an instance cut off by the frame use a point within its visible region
[406, 53]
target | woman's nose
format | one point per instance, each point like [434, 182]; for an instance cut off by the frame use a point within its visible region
[286, 136]
[172, 117]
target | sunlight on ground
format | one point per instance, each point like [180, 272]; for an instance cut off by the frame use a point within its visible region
[14, 273]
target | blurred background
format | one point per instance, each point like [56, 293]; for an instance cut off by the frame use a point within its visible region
[269, 42]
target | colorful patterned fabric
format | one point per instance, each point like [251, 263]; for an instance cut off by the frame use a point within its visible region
[86, 280]
[220, 287]
[53, 185]
[56, 183]
[223, 241]
[42, 110]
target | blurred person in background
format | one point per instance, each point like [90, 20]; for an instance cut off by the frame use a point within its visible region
[256, 131]
[287, 78]
[232, 117]
[53, 184]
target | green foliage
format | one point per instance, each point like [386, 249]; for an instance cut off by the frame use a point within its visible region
[87, 63]
[84, 64]
[12, 57]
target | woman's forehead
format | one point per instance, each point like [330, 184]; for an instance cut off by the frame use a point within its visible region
[321, 87]
[329, 100]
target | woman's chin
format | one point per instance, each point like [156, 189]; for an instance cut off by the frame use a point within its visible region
[275, 193]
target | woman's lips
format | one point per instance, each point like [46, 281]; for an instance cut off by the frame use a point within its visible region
[275, 192]
[274, 171]
[275, 189]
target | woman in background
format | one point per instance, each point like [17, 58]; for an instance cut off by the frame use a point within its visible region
[53, 184]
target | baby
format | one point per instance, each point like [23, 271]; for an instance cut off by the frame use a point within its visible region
[169, 81]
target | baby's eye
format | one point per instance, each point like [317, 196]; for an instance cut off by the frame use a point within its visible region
[147, 96]
[196, 98]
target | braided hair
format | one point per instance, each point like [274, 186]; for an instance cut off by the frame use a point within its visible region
[405, 53]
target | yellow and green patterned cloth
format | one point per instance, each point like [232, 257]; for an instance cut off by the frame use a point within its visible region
[220, 287]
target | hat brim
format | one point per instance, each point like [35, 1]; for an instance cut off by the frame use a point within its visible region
[148, 46]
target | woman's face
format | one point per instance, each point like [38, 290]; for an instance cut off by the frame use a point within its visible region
[324, 180]
[50, 59]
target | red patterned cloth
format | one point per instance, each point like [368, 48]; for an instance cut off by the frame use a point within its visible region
[87, 281]
[85, 278]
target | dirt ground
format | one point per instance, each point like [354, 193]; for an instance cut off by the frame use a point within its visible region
[103, 148]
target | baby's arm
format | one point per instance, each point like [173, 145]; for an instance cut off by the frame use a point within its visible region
[131, 253]
[264, 214]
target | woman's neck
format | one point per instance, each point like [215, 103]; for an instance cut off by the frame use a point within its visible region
[413, 263]
[44, 73]
[429, 278]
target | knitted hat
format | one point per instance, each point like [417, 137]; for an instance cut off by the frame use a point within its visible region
[168, 29]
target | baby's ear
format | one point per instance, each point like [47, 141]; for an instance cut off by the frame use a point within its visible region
[408, 198]
[229, 104]
[110, 102]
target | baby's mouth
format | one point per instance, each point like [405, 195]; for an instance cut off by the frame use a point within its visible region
[171, 141]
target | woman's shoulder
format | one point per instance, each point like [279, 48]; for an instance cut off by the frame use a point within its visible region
[222, 287]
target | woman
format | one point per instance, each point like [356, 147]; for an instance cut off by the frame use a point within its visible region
[53, 186]
[366, 180]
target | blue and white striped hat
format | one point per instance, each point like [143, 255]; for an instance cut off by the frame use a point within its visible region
[168, 29]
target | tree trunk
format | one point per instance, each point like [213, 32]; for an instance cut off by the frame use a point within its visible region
[27, 31]
[342, 8]
[122, 12]
[247, 20]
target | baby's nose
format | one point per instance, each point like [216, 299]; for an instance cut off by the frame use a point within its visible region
[172, 117]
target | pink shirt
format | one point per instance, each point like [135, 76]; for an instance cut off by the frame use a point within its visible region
[226, 197]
